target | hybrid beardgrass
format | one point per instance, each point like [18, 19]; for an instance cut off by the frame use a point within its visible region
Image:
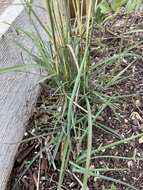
[64, 53]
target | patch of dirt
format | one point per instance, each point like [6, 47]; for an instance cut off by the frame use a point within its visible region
[131, 114]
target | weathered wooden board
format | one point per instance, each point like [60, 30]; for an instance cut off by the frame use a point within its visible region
[18, 91]
[4, 4]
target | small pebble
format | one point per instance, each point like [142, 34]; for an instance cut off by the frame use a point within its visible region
[25, 134]
[138, 154]
[125, 120]
[43, 178]
[138, 103]
[130, 163]
[33, 131]
[141, 140]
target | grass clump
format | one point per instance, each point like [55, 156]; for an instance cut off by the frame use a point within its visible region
[65, 52]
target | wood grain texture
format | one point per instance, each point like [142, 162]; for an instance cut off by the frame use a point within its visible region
[18, 93]
[4, 4]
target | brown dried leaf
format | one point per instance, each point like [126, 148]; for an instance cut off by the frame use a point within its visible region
[44, 165]
[62, 148]
[35, 179]
[22, 155]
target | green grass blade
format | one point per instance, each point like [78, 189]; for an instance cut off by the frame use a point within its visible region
[19, 68]
[103, 148]
[89, 146]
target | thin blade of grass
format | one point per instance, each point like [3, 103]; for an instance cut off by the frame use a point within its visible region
[19, 68]
[113, 157]
[89, 146]
[103, 148]
[96, 173]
